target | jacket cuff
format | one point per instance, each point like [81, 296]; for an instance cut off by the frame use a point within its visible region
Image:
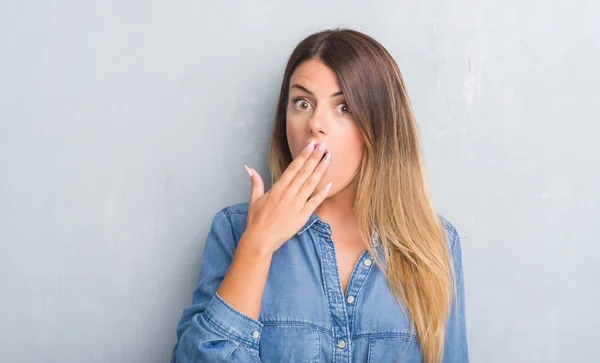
[232, 323]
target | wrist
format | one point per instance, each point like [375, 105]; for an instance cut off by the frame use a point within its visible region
[255, 244]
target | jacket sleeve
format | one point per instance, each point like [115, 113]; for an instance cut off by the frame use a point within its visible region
[211, 330]
[456, 347]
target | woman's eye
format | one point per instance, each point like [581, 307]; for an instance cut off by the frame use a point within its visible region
[301, 104]
[343, 108]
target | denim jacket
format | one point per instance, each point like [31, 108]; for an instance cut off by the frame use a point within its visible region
[304, 315]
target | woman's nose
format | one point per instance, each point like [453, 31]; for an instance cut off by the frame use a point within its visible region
[317, 124]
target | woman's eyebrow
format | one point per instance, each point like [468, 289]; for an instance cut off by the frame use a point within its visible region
[295, 85]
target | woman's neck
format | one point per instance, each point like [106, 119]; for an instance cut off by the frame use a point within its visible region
[338, 209]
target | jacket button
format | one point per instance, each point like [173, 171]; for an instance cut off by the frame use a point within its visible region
[341, 344]
[367, 262]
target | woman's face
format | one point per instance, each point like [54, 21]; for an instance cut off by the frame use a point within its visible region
[317, 110]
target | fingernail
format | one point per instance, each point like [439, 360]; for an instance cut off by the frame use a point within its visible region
[310, 145]
[248, 171]
[328, 186]
[326, 158]
[321, 146]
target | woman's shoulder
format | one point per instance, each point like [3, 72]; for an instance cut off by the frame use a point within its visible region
[230, 220]
[233, 209]
[450, 229]
[451, 233]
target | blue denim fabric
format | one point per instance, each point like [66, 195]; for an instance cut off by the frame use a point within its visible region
[305, 316]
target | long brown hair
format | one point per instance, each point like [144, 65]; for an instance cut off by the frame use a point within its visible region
[392, 200]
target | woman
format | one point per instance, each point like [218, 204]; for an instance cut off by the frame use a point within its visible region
[344, 259]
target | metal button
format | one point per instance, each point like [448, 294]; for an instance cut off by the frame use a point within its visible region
[255, 334]
[367, 262]
[341, 344]
[350, 299]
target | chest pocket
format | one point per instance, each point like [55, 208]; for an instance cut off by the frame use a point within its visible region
[393, 350]
[289, 344]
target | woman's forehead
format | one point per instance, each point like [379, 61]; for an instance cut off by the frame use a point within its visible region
[315, 74]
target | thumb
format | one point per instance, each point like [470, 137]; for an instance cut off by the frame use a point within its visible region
[258, 186]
